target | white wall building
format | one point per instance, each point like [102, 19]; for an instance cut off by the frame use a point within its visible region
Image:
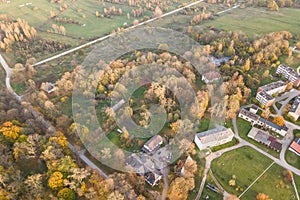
[289, 74]
[213, 137]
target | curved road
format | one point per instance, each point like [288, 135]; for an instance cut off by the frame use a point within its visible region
[42, 120]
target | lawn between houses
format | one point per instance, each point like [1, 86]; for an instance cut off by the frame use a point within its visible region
[246, 165]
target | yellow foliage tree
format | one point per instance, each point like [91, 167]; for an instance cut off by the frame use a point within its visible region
[262, 196]
[60, 139]
[10, 131]
[279, 120]
[56, 181]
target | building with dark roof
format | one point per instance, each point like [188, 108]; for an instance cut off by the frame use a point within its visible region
[265, 138]
[264, 93]
[255, 119]
[145, 166]
[295, 146]
[295, 109]
[289, 73]
[264, 98]
[274, 88]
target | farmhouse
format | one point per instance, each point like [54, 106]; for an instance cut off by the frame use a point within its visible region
[143, 165]
[295, 109]
[48, 87]
[289, 74]
[153, 144]
[211, 77]
[213, 137]
[265, 138]
[295, 146]
[255, 119]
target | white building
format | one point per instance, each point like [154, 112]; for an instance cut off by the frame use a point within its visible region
[295, 109]
[255, 119]
[289, 74]
[153, 144]
[274, 88]
[211, 77]
[213, 137]
[265, 99]
[264, 93]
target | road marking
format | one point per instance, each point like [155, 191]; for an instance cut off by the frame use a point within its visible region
[257, 179]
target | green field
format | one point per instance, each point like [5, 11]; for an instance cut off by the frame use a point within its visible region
[254, 21]
[38, 15]
[247, 164]
[209, 193]
[292, 159]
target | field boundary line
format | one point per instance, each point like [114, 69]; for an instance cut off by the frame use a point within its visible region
[257, 179]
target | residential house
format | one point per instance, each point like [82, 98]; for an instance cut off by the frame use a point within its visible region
[254, 109]
[255, 119]
[265, 138]
[295, 146]
[289, 73]
[211, 77]
[153, 144]
[48, 87]
[295, 109]
[213, 137]
[145, 166]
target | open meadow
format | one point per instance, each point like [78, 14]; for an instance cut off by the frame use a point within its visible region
[85, 24]
[253, 21]
[244, 165]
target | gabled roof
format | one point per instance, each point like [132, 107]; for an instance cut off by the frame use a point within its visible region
[296, 145]
[216, 134]
[153, 143]
[212, 75]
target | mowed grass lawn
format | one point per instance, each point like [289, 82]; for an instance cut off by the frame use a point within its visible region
[292, 159]
[247, 164]
[258, 20]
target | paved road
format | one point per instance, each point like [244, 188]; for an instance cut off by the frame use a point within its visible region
[8, 72]
[166, 182]
[42, 120]
[110, 35]
[208, 161]
[280, 161]
[289, 95]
